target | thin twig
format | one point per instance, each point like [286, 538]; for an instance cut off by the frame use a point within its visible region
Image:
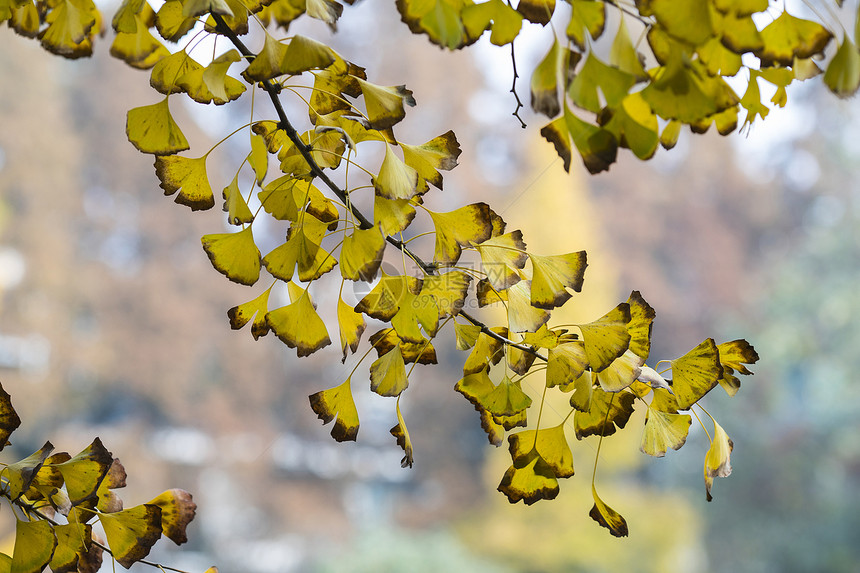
[520, 105]
[364, 223]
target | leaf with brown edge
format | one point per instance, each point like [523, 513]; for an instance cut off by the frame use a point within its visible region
[131, 533]
[235, 205]
[385, 103]
[384, 300]
[392, 215]
[19, 474]
[84, 473]
[557, 133]
[177, 511]
[255, 309]
[70, 28]
[166, 73]
[401, 434]
[475, 388]
[595, 75]
[553, 275]
[506, 399]
[73, 539]
[305, 54]
[788, 37]
[502, 257]
[607, 337]
[520, 361]
[486, 351]
[544, 83]
[139, 49]
[34, 546]
[299, 326]
[607, 410]
[351, 326]
[623, 372]
[416, 312]
[151, 129]
[466, 335]
[108, 501]
[396, 179]
[212, 84]
[733, 357]
[9, 420]
[495, 432]
[421, 352]
[522, 316]
[565, 363]
[607, 517]
[361, 254]
[664, 430]
[170, 22]
[301, 250]
[543, 337]
[91, 560]
[641, 319]
[286, 197]
[337, 403]
[529, 479]
[326, 10]
[188, 176]
[586, 17]
[583, 391]
[234, 255]
[551, 445]
[439, 153]
[388, 374]
[696, 373]
[597, 146]
[448, 291]
[718, 458]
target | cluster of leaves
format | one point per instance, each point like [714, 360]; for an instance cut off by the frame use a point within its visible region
[56, 500]
[600, 366]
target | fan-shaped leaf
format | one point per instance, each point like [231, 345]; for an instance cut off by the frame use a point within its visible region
[718, 458]
[552, 275]
[566, 362]
[189, 177]
[789, 37]
[34, 546]
[733, 356]
[131, 533]
[607, 517]
[177, 511]
[529, 479]
[502, 258]
[21, 473]
[607, 410]
[621, 373]
[361, 254]
[337, 402]
[385, 104]
[388, 374]
[606, 338]
[695, 373]
[84, 473]
[151, 129]
[550, 444]
[255, 309]
[9, 420]
[664, 430]
[351, 325]
[299, 326]
[234, 255]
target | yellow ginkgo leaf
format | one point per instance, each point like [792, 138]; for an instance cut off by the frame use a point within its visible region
[385, 299]
[502, 259]
[396, 180]
[235, 205]
[466, 335]
[337, 403]
[529, 479]
[556, 132]
[9, 420]
[789, 37]
[385, 104]
[669, 135]
[843, 72]
[361, 254]
[188, 176]
[448, 291]
[299, 326]
[416, 312]
[583, 390]
[718, 459]
[641, 318]
[70, 26]
[522, 316]
[235, 255]
[139, 49]
[326, 10]
[606, 411]
[438, 153]
[72, 540]
[351, 325]
[194, 8]
[486, 351]
[24, 19]
[151, 129]
[419, 352]
[267, 63]
[607, 517]
[170, 22]
[684, 91]
[254, 309]
[131, 533]
[466, 226]
[634, 125]
[392, 215]
[550, 443]
[506, 399]
[621, 373]
[84, 473]
[124, 18]
[504, 21]
[544, 83]
[623, 55]
[258, 158]
[212, 84]
[733, 357]
[388, 374]
[586, 16]
[34, 546]
[664, 430]
[166, 73]
[306, 54]
[401, 434]
[20, 474]
[696, 373]
[177, 511]
[286, 197]
[606, 338]
[543, 338]
[597, 146]
[595, 75]
[553, 275]
[566, 362]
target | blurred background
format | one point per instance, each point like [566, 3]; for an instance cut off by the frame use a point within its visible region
[113, 324]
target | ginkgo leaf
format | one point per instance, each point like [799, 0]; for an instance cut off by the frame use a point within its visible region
[301, 250]
[235, 205]
[502, 258]
[388, 374]
[623, 55]
[384, 300]
[396, 179]
[495, 432]
[664, 430]
[606, 516]
[131, 533]
[351, 325]
[788, 37]
[70, 24]
[685, 91]
[621, 373]
[420, 352]
[475, 387]
[34, 546]
[24, 19]
[9, 420]
[718, 458]
[553, 275]
[466, 335]
[189, 177]
[529, 479]
[337, 403]
[520, 361]
[522, 316]
[72, 539]
[416, 311]
[19, 474]
[305, 54]
[385, 104]
[670, 133]
[641, 320]
[486, 294]
[586, 16]
[139, 49]
[537, 11]
[448, 291]
[166, 73]
[544, 83]
[566, 362]
[738, 33]
[543, 338]
[487, 350]
[392, 215]
[556, 132]
[286, 197]
[506, 22]
[326, 10]
[506, 399]
[254, 309]
[741, 7]
[234, 255]
[439, 153]
[212, 84]
[606, 338]
[151, 129]
[108, 500]
[462, 227]
[843, 72]
[613, 84]
[634, 125]
[718, 59]
[607, 410]
[84, 473]
[696, 373]
[124, 18]
[733, 357]
[361, 254]
[583, 391]
[170, 22]
[194, 8]
[177, 511]
[258, 158]
[299, 326]
[551, 446]
[401, 434]
[439, 19]
[597, 146]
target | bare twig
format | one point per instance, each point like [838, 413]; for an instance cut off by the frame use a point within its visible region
[520, 105]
